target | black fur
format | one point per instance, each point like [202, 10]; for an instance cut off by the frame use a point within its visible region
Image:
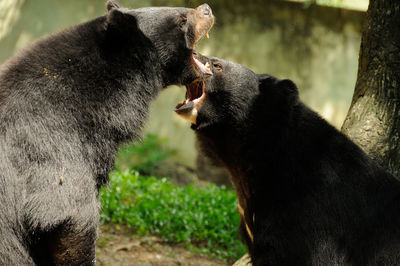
[310, 195]
[66, 102]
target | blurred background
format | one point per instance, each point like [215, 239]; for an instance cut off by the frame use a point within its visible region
[313, 42]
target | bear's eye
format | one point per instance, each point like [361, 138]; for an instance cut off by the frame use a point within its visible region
[217, 66]
[182, 21]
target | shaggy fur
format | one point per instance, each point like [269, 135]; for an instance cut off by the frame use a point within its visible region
[66, 102]
[310, 196]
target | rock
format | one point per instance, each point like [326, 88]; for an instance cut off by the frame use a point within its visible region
[208, 170]
[178, 173]
[243, 261]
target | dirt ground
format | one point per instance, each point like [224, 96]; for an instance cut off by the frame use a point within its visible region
[122, 247]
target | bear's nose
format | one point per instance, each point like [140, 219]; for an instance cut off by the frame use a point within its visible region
[205, 10]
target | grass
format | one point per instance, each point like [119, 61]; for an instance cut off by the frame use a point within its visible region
[203, 219]
[144, 156]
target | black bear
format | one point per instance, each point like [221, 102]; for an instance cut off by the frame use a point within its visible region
[66, 102]
[307, 194]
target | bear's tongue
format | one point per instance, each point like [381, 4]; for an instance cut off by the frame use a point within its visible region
[194, 93]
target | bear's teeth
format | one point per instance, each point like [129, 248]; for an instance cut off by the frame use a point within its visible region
[202, 67]
[207, 36]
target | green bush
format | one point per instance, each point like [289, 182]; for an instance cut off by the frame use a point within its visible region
[204, 219]
[144, 156]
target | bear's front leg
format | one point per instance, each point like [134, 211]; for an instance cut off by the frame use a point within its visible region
[70, 243]
[73, 246]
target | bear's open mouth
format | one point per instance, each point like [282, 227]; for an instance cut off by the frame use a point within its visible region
[195, 93]
[195, 96]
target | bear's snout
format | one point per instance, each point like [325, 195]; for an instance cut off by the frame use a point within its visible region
[205, 10]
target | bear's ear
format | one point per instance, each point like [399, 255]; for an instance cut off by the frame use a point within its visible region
[284, 89]
[288, 86]
[266, 82]
[119, 17]
[112, 4]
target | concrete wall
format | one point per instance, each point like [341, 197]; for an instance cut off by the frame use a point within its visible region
[317, 47]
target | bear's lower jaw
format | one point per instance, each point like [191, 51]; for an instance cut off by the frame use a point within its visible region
[195, 96]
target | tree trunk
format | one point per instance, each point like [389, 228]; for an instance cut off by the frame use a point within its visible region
[373, 120]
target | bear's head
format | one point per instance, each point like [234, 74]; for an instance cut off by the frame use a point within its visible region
[171, 32]
[235, 97]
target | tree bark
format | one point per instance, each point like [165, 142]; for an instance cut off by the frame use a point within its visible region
[373, 120]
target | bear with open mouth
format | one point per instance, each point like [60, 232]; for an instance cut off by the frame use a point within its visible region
[307, 194]
[66, 102]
